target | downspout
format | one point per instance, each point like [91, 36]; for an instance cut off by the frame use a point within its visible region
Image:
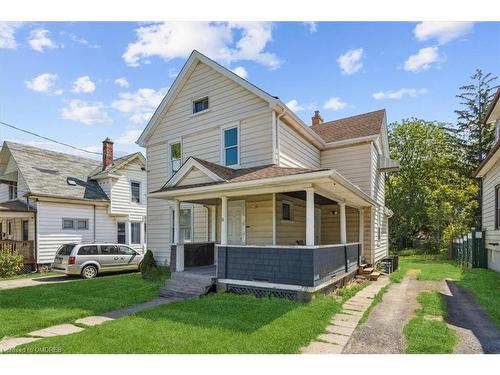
[94, 222]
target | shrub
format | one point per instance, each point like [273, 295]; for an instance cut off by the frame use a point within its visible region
[148, 261]
[156, 274]
[11, 263]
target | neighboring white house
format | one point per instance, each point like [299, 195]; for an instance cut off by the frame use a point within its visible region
[489, 171]
[232, 165]
[48, 198]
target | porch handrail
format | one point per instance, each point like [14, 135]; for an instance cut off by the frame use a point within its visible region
[25, 248]
[292, 246]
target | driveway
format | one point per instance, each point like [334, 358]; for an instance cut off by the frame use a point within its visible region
[383, 331]
[19, 283]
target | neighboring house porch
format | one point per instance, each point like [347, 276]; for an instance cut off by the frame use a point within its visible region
[296, 230]
[17, 229]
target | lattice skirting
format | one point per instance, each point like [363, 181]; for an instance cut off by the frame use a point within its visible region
[27, 268]
[262, 292]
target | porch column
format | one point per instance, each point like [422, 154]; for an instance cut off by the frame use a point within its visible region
[310, 217]
[343, 231]
[213, 218]
[223, 227]
[179, 254]
[361, 227]
[274, 218]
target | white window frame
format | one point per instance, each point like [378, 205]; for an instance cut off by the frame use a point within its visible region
[169, 151]
[223, 147]
[75, 223]
[140, 191]
[140, 234]
[292, 209]
[193, 113]
[124, 228]
[12, 190]
[183, 207]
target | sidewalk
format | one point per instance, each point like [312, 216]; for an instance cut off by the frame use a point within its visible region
[20, 283]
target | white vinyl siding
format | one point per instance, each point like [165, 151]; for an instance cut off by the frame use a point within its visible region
[193, 177]
[490, 181]
[295, 151]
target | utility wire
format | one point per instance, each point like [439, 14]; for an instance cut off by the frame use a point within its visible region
[48, 139]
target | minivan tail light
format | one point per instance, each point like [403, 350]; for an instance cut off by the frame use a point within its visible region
[72, 260]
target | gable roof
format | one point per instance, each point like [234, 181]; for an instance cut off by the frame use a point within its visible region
[225, 174]
[118, 163]
[363, 125]
[181, 79]
[47, 173]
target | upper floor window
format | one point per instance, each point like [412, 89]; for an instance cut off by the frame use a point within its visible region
[135, 189]
[231, 152]
[175, 157]
[200, 105]
[12, 190]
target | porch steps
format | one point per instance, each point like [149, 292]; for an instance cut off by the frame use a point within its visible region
[366, 272]
[186, 285]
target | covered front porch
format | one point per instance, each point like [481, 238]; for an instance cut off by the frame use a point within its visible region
[298, 234]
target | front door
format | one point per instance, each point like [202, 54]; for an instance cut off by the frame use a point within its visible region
[236, 223]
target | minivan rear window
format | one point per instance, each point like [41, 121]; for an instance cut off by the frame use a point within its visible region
[65, 249]
[88, 250]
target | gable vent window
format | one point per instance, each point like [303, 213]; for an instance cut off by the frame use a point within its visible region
[135, 188]
[200, 105]
[12, 190]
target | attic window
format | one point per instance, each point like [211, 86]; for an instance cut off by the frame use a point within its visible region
[200, 105]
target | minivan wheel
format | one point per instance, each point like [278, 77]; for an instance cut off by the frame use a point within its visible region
[89, 272]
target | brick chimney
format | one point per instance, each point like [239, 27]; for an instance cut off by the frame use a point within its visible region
[107, 153]
[317, 119]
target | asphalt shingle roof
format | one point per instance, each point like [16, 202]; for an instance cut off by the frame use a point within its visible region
[357, 126]
[47, 172]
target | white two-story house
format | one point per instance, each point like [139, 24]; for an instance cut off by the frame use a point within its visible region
[237, 179]
[49, 198]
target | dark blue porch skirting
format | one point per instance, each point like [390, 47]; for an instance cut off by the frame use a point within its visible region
[287, 265]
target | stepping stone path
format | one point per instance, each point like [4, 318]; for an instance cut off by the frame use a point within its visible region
[344, 323]
[60, 330]
[93, 320]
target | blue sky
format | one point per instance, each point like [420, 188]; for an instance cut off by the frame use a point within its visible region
[81, 82]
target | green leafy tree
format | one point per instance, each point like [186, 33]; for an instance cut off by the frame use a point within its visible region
[431, 196]
[475, 99]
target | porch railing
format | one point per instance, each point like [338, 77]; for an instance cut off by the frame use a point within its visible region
[25, 248]
[294, 265]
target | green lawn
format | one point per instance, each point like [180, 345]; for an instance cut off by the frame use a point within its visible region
[25, 309]
[426, 336]
[431, 268]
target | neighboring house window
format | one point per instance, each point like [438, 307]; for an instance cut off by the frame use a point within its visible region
[186, 224]
[200, 105]
[25, 226]
[135, 233]
[497, 207]
[175, 157]
[80, 224]
[120, 230]
[286, 211]
[9, 228]
[230, 146]
[12, 190]
[135, 188]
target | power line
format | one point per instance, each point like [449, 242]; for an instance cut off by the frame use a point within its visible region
[48, 139]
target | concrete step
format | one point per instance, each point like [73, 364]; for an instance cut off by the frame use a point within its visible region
[374, 276]
[368, 270]
[186, 285]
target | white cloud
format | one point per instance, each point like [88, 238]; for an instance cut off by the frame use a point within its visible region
[129, 137]
[122, 82]
[423, 59]
[313, 26]
[217, 40]
[173, 73]
[140, 104]
[443, 32]
[86, 113]
[399, 94]
[296, 107]
[7, 34]
[44, 83]
[350, 62]
[335, 104]
[83, 85]
[39, 40]
[78, 39]
[241, 71]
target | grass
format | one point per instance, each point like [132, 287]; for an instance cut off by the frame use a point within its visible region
[425, 335]
[431, 268]
[25, 309]
[219, 323]
[35, 275]
[376, 300]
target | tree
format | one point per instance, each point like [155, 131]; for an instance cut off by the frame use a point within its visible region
[431, 196]
[475, 98]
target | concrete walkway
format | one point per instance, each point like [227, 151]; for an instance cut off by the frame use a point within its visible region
[20, 283]
[343, 324]
[9, 343]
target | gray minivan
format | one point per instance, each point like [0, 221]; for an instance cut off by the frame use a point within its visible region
[88, 260]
